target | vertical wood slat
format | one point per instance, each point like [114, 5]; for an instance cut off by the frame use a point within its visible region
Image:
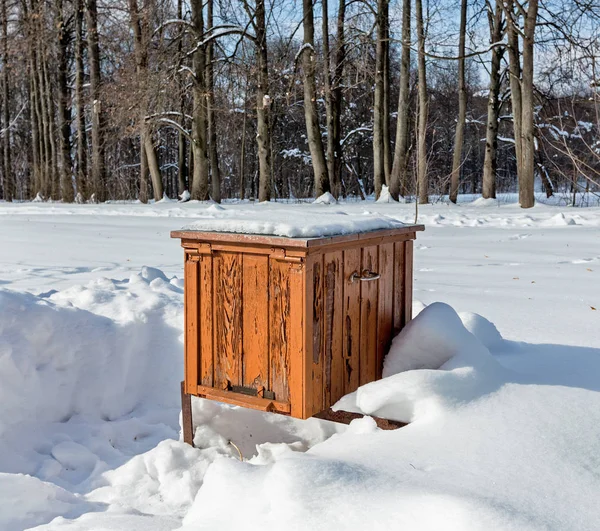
[227, 286]
[279, 324]
[333, 354]
[296, 344]
[408, 281]
[368, 318]
[205, 292]
[351, 321]
[399, 274]
[318, 334]
[313, 336]
[255, 321]
[192, 295]
[386, 303]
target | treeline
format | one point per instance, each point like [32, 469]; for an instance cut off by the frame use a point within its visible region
[140, 99]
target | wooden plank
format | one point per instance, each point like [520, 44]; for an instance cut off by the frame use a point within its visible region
[386, 303]
[408, 282]
[205, 285]
[296, 344]
[255, 321]
[318, 318]
[399, 254]
[368, 318]
[333, 368]
[187, 423]
[227, 286]
[351, 321]
[191, 303]
[279, 324]
[239, 399]
[346, 417]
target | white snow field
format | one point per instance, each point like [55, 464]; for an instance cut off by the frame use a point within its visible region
[504, 417]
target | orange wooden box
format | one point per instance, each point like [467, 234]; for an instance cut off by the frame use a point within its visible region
[291, 325]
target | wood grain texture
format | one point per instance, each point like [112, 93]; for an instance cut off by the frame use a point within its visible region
[255, 321]
[191, 307]
[351, 321]
[408, 282]
[386, 303]
[368, 318]
[296, 344]
[334, 301]
[279, 325]
[227, 286]
[399, 254]
[206, 350]
[318, 319]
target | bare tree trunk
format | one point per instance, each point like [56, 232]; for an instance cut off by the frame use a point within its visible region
[378, 106]
[422, 181]
[64, 111]
[212, 126]
[313, 132]
[387, 155]
[491, 137]
[462, 106]
[98, 162]
[398, 175]
[81, 173]
[199, 122]
[182, 169]
[141, 38]
[515, 80]
[263, 103]
[327, 82]
[527, 176]
[243, 157]
[8, 174]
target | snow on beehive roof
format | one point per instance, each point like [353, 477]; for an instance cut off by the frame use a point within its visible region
[307, 222]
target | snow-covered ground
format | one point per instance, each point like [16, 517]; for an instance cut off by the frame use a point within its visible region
[503, 436]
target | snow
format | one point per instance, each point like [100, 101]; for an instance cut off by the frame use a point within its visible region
[305, 223]
[385, 196]
[498, 374]
[325, 199]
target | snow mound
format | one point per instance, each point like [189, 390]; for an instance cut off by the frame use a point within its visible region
[185, 196]
[559, 220]
[485, 202]
[61, 351]
[325, 199]
[428, 341]
[385, 196]
[482, 329]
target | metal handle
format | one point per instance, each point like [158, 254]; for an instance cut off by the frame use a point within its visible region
[365, 276]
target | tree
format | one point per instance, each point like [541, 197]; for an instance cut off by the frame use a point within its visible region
[422, 180]
[311, 115]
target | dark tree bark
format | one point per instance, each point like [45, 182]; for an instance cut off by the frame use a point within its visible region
[490, 161]
[8, 174]
[378, 106]
[398, 174]
[81, 160]
[311, 115]
[98, 162]
[422, 181]
[462, 106]
[212, 126]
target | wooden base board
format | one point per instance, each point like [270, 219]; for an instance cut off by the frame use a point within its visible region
[345, 417]
[342, 417]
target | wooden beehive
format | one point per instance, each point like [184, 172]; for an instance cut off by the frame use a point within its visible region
[291, 325]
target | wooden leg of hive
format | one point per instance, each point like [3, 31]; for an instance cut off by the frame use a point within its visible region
[186, 416]
[345, 417]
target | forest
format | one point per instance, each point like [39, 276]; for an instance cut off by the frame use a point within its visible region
[289, 99]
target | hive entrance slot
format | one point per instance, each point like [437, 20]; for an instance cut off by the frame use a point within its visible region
[250, 391]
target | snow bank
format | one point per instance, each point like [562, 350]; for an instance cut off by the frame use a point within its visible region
[102, 349]
[488, 448]
[293, 222]
[385, 196]
[325, 199]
